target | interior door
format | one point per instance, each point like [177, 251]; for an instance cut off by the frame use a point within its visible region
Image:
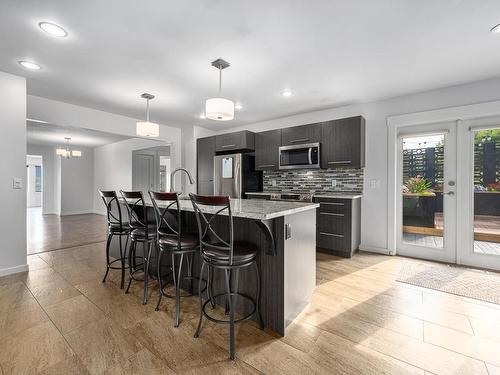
[426, 204]
[143, 175]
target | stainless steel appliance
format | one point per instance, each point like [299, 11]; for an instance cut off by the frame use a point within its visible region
[299, 156]
[235, 174]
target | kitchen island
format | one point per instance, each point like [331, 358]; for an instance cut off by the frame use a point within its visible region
[285, 234]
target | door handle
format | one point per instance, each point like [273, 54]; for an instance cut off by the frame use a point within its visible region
[227, 146]
[299, 140]
[450, 193]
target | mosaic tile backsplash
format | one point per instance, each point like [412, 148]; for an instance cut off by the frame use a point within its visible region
[313, 181]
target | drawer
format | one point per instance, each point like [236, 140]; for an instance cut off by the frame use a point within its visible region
[325, 222]
[331, 241]
[339, 206]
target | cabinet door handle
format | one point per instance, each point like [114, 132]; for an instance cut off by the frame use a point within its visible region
[266, 165]
[227, 146]
[332, 234]
[332, 203]
[299, 140]
[330, 214]
[340, 162]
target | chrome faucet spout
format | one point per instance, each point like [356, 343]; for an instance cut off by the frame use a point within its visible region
[191, 180]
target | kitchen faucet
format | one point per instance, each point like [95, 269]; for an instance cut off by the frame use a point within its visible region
[191, 180]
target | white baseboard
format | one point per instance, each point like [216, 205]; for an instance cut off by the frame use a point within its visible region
[12, 270]
[374, 249]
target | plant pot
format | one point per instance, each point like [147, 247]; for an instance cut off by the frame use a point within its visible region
[419, 210]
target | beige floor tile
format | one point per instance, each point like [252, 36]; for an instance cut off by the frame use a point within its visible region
[407, 349]
[36, 263]
[398, 305]
[15, 321]
[70, 366]
[301, 336]
[77, 272]
[226, 367]
[486, 328]
[345, 357]
[472, 346]
[493, 370]
[176, 346]
[51, 292]
[73, 313]
[143, 362]
[33, 350]
[102, 344]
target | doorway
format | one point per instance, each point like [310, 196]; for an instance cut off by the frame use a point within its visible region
[448, 192]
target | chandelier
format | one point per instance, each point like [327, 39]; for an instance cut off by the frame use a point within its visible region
[66, 152]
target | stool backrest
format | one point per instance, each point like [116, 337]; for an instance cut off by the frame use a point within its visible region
[207, 209]
[113, 208]
[167, 213]
[136, 208]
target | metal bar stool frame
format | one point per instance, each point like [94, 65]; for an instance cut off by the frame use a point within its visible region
[135, 205]
[116, 227]
[171, 210]
[206, 232]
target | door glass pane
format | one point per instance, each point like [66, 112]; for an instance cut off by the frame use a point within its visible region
[487, 191]
[422, 192]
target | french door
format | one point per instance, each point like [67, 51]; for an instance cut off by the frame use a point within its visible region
[448, 198]
[426, 195]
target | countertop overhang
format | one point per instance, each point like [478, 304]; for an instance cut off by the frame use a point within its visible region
[256, 209]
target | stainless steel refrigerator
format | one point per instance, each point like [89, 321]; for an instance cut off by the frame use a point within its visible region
[235, 174]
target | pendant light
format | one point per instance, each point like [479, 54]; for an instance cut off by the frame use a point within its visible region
[147, 128]
[66, 152]
[219, 109]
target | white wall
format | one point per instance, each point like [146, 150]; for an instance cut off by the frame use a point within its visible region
[113, 167]
[13, 165]
[375, 202]
[48, 175]
[65, 114]
[33, 197]
[77, 183]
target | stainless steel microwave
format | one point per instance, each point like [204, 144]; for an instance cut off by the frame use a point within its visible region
[299, 156]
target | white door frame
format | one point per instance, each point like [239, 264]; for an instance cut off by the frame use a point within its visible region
[465, 116]
[447, 253]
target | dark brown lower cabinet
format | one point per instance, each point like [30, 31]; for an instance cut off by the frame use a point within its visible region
[338, 225]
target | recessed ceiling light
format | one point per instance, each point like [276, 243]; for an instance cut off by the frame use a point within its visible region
[53, 29]
[202, 116]
[496, 29]
[30, 65]
[238, 106]
[286, 93]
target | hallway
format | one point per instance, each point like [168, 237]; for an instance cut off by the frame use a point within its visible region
[52, 232]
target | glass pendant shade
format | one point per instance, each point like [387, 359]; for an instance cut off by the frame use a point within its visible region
[219, 109]
[147, 129]
[61, 152]
[76, 153]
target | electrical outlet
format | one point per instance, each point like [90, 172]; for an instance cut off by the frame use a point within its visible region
[334, 183]
[375, 184]
[273, 182]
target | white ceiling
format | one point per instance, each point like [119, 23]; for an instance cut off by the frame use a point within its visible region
[330, 52]
[53, 135]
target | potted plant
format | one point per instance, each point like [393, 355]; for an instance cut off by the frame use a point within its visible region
[419, 202]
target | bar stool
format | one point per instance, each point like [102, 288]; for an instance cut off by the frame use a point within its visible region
[141, 231]
[227, 255]
[116, 227]
[171, 239]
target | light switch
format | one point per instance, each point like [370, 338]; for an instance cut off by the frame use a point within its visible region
[17, 183]
[375, 184]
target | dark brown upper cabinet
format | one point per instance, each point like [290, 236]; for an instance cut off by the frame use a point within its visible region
[238, 141]
[343, 143]
[296, 135]
[205, 152]
[266, 150]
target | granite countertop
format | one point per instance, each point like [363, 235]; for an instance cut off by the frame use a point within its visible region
[253, 208]
[339, 195]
